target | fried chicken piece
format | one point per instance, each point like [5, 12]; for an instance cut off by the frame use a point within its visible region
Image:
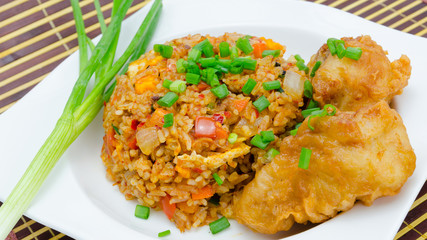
[359, 155]
[349, 84]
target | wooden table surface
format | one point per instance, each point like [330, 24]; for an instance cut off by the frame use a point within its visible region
[37, 35]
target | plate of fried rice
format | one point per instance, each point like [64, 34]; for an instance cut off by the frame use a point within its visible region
[198, 116]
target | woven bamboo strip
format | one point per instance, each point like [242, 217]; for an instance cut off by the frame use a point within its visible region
[336, 3]
[419, 201]
[26, 224]
[41, 22]
[409, 17]
[22, 87]
[59, 236]
[422, 32]
[398, 12]
[46, 34]
[369, 7]
[36, 233]
[411, 226]
[416, 24]
[28, 12]
[11, 4]
[1, 111]
[384, 9]
[353, 5]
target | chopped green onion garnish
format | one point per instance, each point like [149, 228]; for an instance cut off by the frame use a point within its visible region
[314, 69]
[271, 85]
[219, 225]
[353, 52]
[248, 63]
[168, 99]
[180, 65]
[206, 47]
[331, 45]
[168, 119]
[307, 112]
[308, 123]
[167, 83]
[312, 104]
[220, 91]
[192, 67]
[261, 103]
[214, 82]
[116, 129]
[224, 63]
[249, 86]
[208, 62]
[244, 45]
[211, 77]
[192, 78]
[178, 86]
[271, 154]
[258, 142]
[274, 53]
[302, 67]
[295, 130]
[308, 89]
[232, 138]
[164, 50]
[224, 49]
[234, 52]
[304, 158]
[340, 48]
[217, 179]
[194, 55]
[236, 67]
[267, 136]
[142, 212]
[326, 108]
[164, 233]
[299, 58]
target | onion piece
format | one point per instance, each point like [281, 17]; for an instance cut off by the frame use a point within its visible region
[147, 139]
[293, 84]
[205, 127]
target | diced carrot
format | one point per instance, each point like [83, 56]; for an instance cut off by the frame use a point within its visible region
[132, 143]
[202, 86]
[240, 104]
[184, 172]
[220, 133]
[144, 84]
[157, 118]
[258, 49]
[204, 192]
[272, 44]
[168, 208]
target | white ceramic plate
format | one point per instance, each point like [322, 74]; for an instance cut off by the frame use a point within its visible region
[78, 200]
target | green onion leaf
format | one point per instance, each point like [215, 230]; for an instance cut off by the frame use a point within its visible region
[142, 212]
[314, 69]
[180, 65]
[312, 104]
[307, 112]
[267, 136]
[295, 130]
[232, 138]
[208, 62]
[168, 120]
[340, 49]
[217, 179]
[219, 225]
[274, 53]
[164, 50]
[244, 45]
[299, 58]
[236, 67]
[247, 63]
[261, 103]
[194, 55]
[178, 86]
[206, 47]
[302, 67]
[353, 53]
[234, 52]
[116, 129]
[224, 49]
[271, 85]
[166, 83]
[249, 86]
[330, 106]
[304, 158]
[308, 89]
[220, 91]
[164, 233]
[271, 153]
[192, 78]
[331, 45]
[168, 99]
[258, 142]
[224, 63]
[192, 67]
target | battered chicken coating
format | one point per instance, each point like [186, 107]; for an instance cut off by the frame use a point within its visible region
[349, 84]
[359, 155]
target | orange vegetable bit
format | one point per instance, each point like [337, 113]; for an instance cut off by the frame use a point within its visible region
[272, 45]
[157, 118]
[204, 192]
[258, 49]
[221, 133]
[240, 104]
[168, 208]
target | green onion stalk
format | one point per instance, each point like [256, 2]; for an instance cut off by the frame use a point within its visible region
[79, 112]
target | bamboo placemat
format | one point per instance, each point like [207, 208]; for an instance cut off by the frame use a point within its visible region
[37, 35]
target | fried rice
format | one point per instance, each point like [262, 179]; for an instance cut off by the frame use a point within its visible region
[172, 168]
